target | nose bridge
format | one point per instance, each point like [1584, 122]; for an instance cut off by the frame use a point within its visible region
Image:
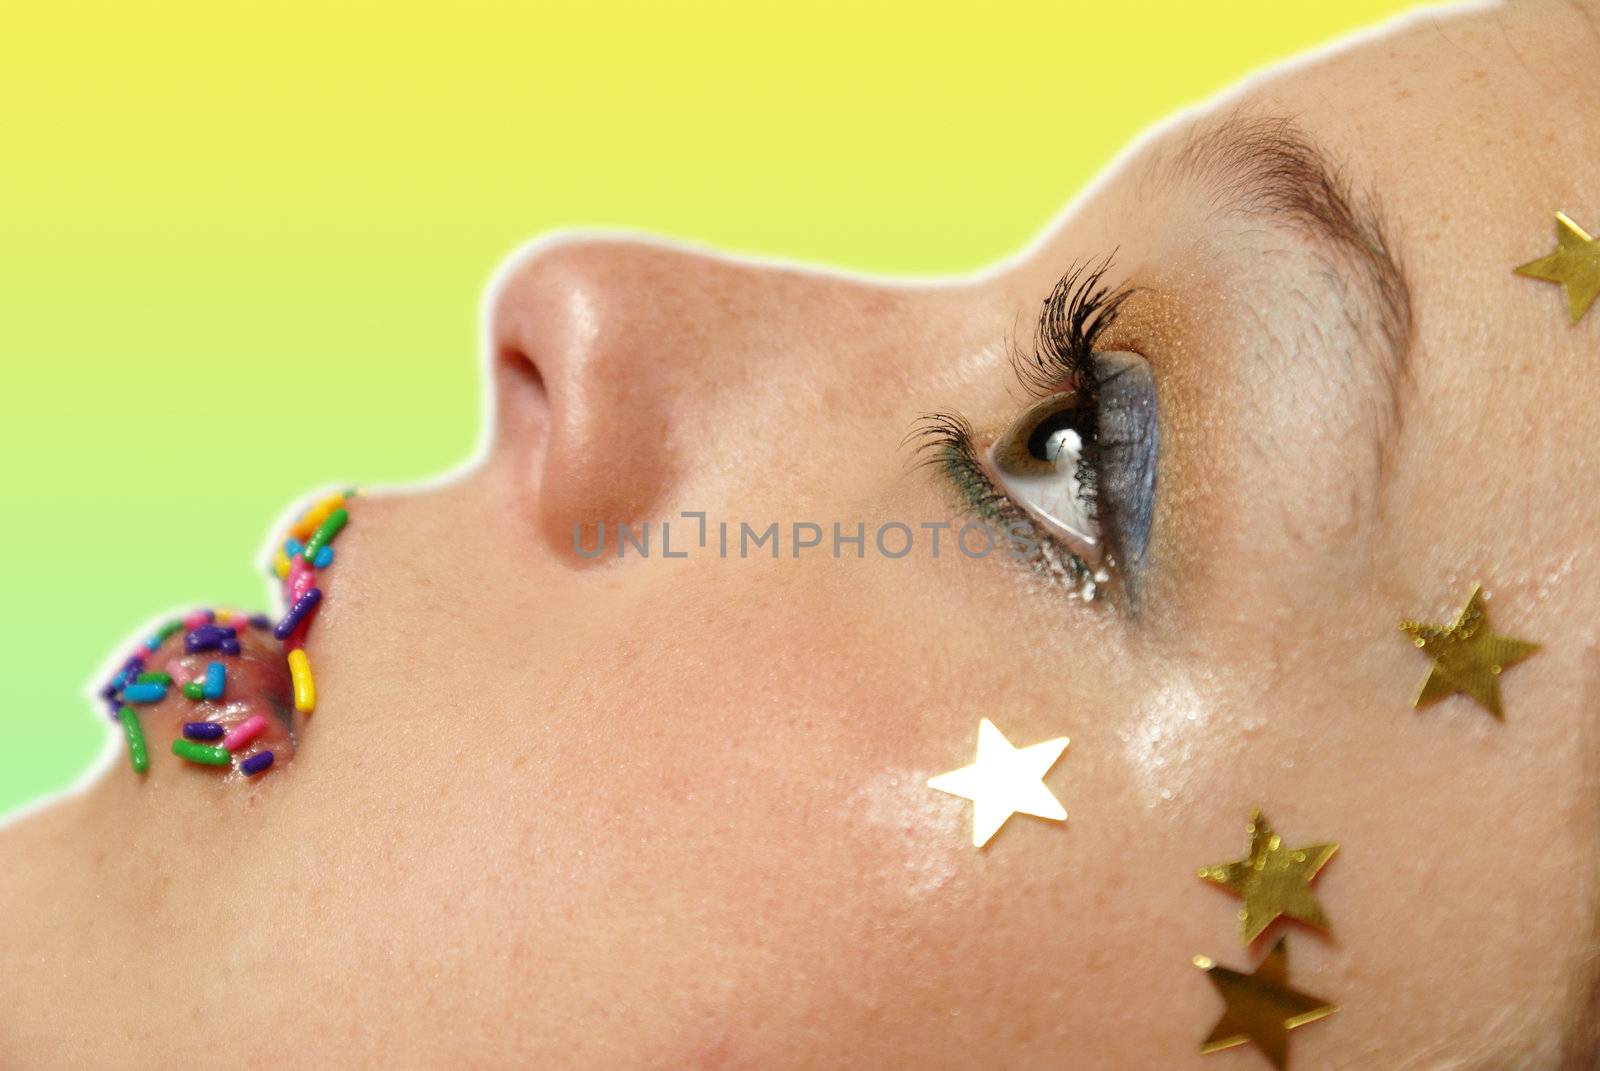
[668, 372]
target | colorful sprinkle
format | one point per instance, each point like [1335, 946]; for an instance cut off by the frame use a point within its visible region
[161, 635]
[216, 680]
[306, 550]
[302, 578]
[245, 732]
[144, 693]
[130, 669]
[302, 606]
[200, 753]
[305, 689]
[138, 757]
[324, 534]
[204, 638]
[312, 518]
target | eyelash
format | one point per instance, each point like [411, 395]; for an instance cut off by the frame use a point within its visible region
[1079, 309]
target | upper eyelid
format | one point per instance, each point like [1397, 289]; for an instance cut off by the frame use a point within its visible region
[1080, 307]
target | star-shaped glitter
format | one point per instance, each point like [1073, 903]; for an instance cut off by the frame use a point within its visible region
[1004, 781]
[1575, 265]
[1261, 1006]
[1467, 656]
[1273, 879]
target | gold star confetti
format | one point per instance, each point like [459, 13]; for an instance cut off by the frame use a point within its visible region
[1467, 656]
[1273, 879]
[1261, 1006]
[1575, 265]
[1004, 781]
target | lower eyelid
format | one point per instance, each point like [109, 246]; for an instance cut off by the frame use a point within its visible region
[959, 456]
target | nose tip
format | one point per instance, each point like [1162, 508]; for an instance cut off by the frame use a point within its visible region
[587, 356]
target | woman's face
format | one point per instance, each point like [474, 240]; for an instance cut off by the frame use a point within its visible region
[692, 790]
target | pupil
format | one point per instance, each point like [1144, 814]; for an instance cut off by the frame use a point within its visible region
[1058, 433]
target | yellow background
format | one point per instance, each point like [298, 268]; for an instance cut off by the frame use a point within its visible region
[243, 246]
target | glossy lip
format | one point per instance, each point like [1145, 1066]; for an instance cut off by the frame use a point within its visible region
[257, 683]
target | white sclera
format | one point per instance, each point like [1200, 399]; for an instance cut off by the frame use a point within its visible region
[1055, 497]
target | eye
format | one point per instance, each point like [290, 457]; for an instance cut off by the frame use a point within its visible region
[1041, 464]
[1082, 463]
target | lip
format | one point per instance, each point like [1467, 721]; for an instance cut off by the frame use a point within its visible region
[257, 682]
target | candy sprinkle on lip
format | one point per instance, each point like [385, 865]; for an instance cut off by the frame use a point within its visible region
[202, 730]
[162, 634]
[162, 679]
[144, 693]
[312, 519]
[204, 638]
[256, 763]
[216, 680]
[243, 734]
[302, 606]
[130, 669]
[194, 690]
[138, 756]
[200, 753]
[324, 534]
[305, 688]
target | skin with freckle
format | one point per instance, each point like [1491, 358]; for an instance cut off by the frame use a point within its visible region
[673, 813]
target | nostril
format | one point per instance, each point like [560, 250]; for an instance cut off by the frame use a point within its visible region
[521, 409]
[523, 375]
[522, 406]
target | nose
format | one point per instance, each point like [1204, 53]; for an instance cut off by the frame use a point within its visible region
[592, 344]
[622, 367]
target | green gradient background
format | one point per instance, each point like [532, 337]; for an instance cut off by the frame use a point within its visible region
[242, 254]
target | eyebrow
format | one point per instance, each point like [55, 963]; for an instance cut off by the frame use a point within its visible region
[1269, 168]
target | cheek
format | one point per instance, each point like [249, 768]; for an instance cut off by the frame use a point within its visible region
[699, 792]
